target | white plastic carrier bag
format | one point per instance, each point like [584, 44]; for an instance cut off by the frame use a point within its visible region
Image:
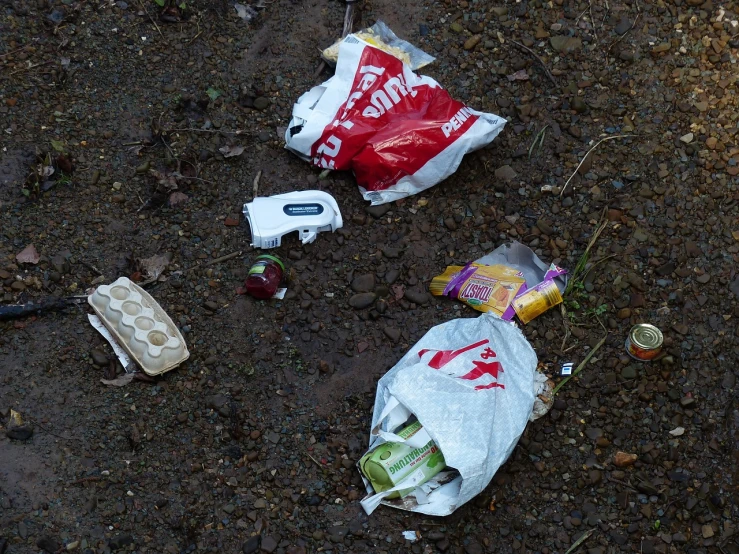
[471, 384]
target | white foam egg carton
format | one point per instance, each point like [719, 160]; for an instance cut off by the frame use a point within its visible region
[140, 325]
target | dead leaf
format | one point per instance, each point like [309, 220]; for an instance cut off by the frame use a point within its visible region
[156, 265]
[178, 198]
[121, 381]
[520, 75]
[231, 151]
[168, 181]
[28, 255]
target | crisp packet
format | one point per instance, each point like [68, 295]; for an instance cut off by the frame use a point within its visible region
[530, 303]
[485, 288]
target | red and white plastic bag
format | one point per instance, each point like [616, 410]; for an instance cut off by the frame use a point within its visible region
[400, 133]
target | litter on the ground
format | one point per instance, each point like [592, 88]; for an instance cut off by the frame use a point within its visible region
[121, 354]
[411, 536]
[382, 37]
[37, 307]
[566, 368]
[400, 133]
[471, 384]
[308, 212]
[264, 278]
[644, 342]
[538, 293]
[484, 288]
[544, 391]
[140, 326]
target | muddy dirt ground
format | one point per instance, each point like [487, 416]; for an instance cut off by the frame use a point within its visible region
[251, 443]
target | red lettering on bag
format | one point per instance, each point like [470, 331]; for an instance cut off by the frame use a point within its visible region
[480, 369]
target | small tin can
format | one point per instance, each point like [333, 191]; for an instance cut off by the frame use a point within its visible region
[644, 342]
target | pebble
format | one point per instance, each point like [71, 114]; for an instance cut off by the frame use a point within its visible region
[505, 173]
[251, 545]
[99, 357]
[416, 296]
[261, 103]
[393, 333]
[363, 283]
[362, 300]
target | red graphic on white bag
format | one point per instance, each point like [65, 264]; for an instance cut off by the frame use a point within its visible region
[481, 367]
[391, 124]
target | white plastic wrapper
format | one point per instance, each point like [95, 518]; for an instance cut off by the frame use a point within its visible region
[471, 383]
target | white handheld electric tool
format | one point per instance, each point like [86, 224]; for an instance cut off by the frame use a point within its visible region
[309, 212]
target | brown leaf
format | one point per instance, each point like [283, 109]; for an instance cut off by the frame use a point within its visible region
[156, 265]
[178, 198]
[120, 381]
[231, 151]
[28, 255]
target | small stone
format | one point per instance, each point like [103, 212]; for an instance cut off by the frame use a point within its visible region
[595, 476]
[687, 138]
[456, 27]
[392, 333]
[471, 42]
[47, 544]
[623, 26]
[251, 545]
[362, 300]
[269, 545]
[703, 279]
[662, 47]
[210, 305]
[624, 313]
[119, 541]
[687, 402]
[707, 531]
[416, 296]
[579, 105]
[629, 372]
[261, 103]
[505, 173]
[378, 211]
[99, 357]
[623, 459]
[363, 283]
[73, 546]
[564, 44]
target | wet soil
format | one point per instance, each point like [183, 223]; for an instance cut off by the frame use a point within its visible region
[251, 444]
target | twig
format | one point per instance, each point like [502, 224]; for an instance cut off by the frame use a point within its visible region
[151, 19]
[255, 186]
[91, 479]
[197, 22]
[581, 540]
[592, 21]
[192, 129]
[14, 51]
[604, 139]
[543, 65]
[622, 483]
[217, 260]
[89, 265]
[582, 364]
[563, 311]
[319, 464]
[619, 39]
[30, 67]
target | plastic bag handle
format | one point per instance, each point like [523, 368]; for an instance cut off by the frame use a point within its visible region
[399, 413]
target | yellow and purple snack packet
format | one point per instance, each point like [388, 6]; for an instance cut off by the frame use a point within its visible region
[485, 288]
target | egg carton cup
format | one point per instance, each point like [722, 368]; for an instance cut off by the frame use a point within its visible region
[141, 327]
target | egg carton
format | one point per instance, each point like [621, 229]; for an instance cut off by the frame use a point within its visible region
[140, 325]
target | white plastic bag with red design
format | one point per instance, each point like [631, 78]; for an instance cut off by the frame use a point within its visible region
[400, 133]
[471, 384]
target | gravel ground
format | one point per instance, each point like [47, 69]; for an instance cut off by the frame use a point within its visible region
[251, 444]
